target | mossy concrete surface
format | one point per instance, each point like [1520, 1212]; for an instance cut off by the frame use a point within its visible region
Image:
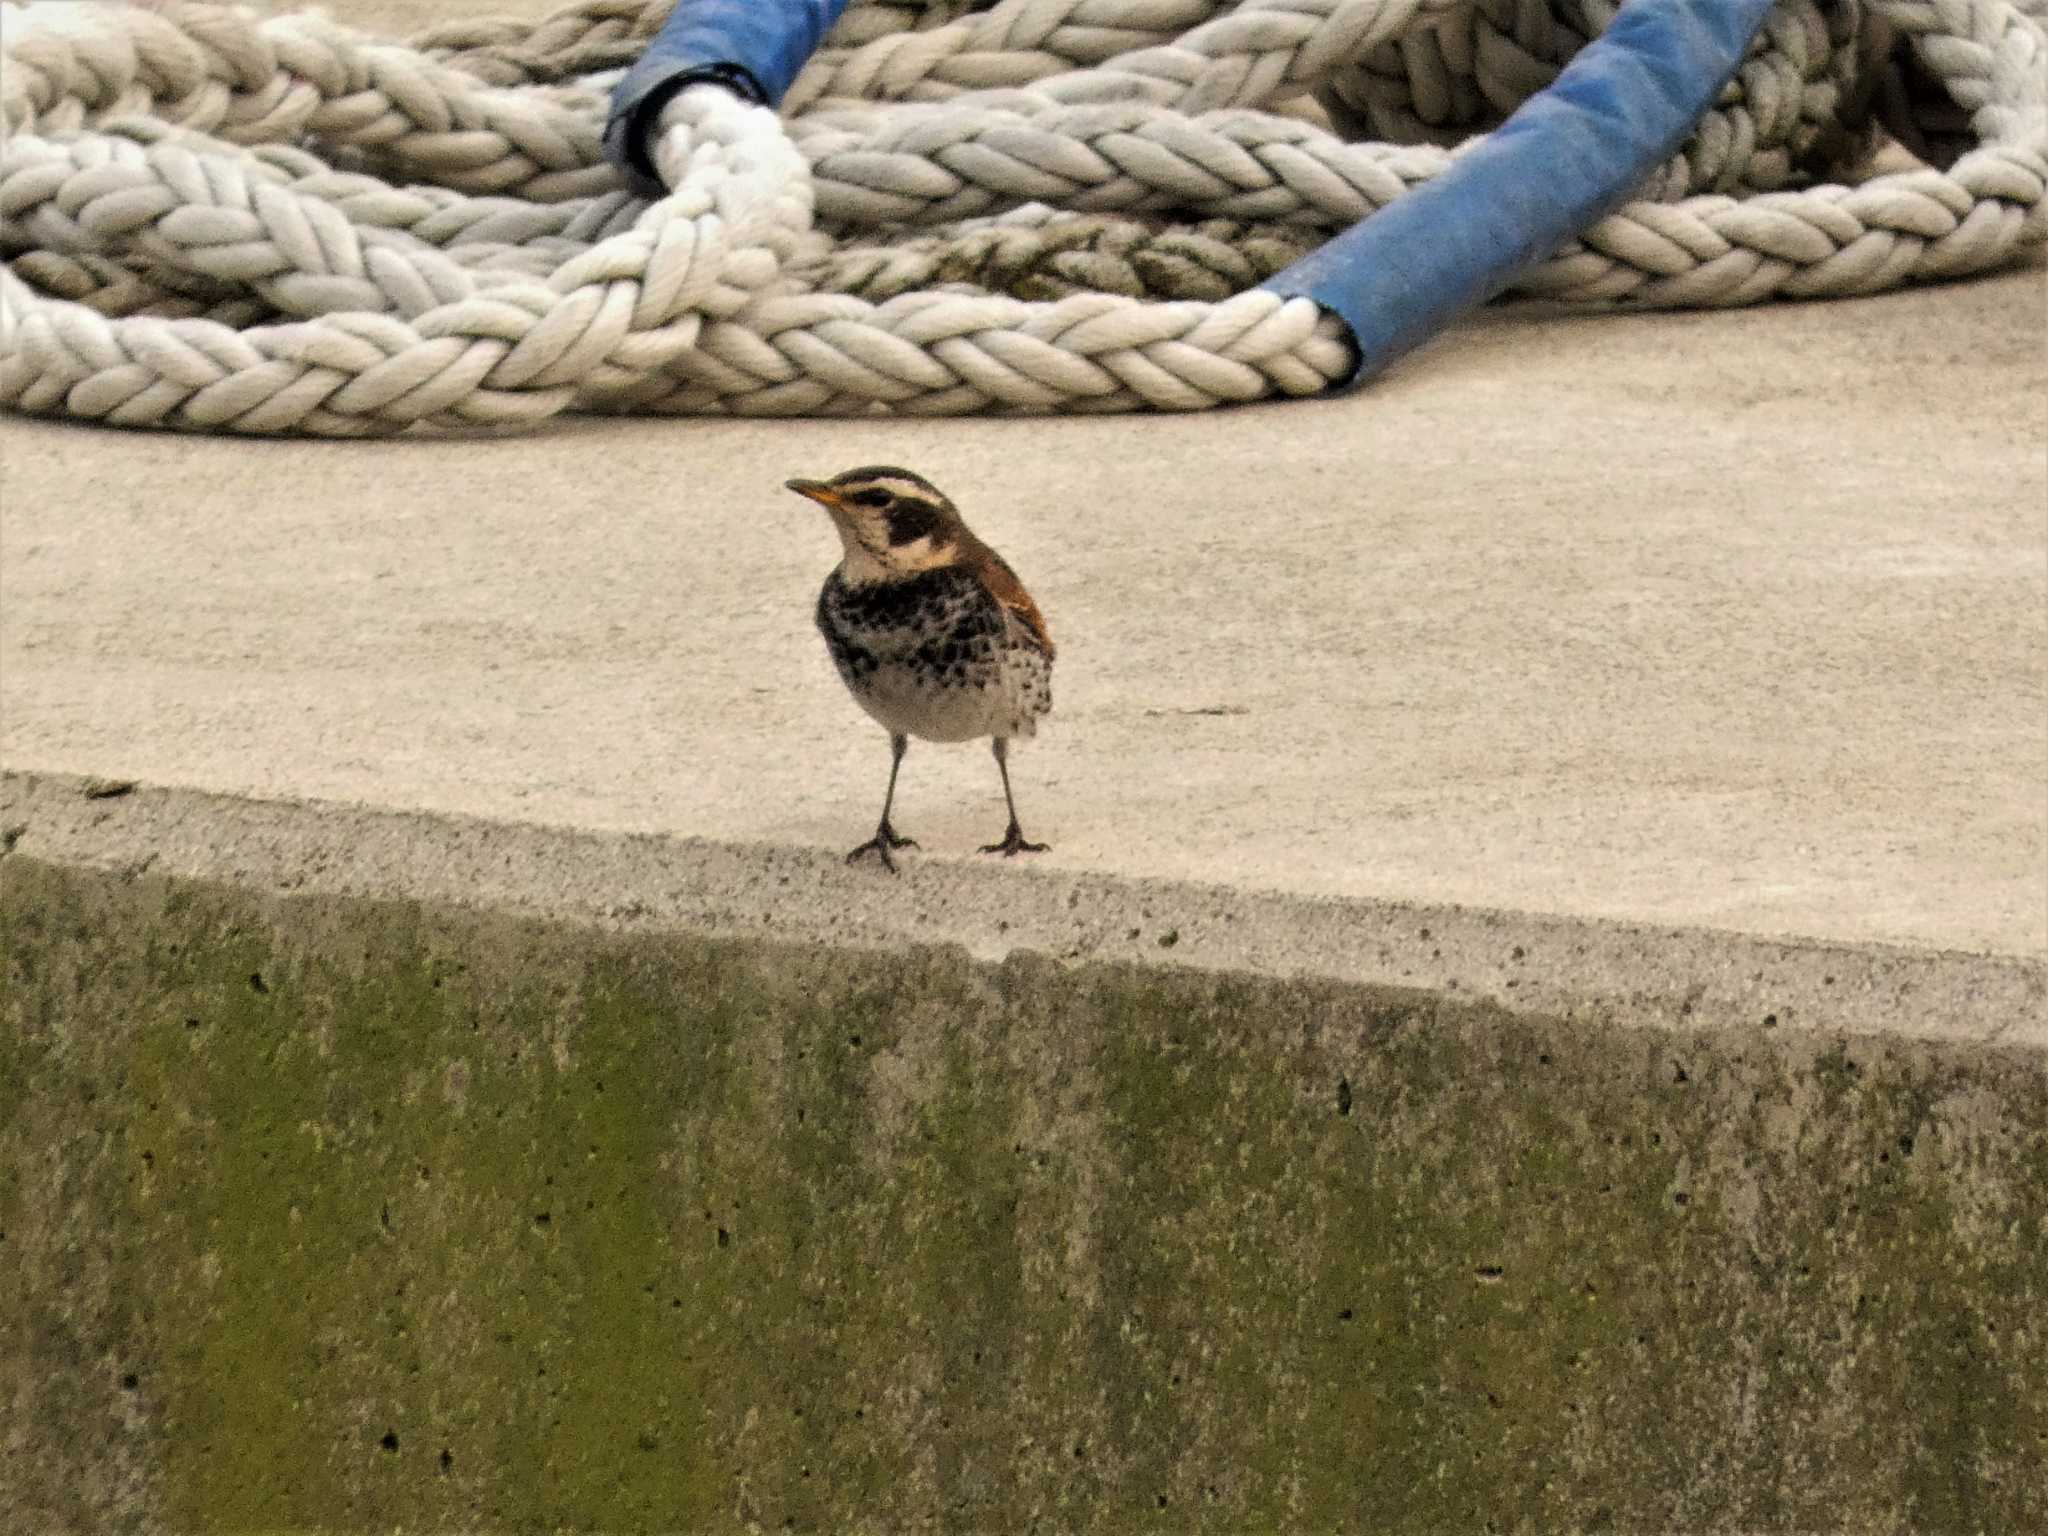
[340, 1213]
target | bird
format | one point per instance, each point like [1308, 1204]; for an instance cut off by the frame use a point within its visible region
[931, 631]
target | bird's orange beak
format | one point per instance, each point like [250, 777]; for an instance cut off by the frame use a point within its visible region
[819, 492]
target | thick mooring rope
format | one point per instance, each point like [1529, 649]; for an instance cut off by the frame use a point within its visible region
[216, 221]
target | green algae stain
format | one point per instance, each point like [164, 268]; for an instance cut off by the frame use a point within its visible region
[966, 1253]
[266, 1136]
[609, 1247]
[440, 1221]
[424, 1229]
[66, 1341]
[1204, 1260]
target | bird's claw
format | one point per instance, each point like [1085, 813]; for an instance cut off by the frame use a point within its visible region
[1013, 843]
[885, 838]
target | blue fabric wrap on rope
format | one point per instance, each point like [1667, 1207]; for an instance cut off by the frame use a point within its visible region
[752, 47]
[1566, 158]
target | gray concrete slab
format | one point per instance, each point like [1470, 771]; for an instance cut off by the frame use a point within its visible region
[1595, 975]
[1724, 619]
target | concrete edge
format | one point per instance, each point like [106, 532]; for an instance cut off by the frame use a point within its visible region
[1590, 970]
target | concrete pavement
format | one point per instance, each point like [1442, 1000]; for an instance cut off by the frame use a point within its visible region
[1734, 620]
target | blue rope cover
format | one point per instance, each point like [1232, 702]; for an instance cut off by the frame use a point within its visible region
[753, 47]
[1566, 158]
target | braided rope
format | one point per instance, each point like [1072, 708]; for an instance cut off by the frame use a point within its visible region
[213, 221]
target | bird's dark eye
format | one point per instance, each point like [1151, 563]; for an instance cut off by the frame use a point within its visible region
[870, 498]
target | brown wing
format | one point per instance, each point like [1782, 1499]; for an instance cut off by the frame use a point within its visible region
[1004, 586]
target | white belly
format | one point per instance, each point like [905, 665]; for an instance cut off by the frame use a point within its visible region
[906, 704]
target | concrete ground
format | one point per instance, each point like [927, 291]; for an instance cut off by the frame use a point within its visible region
[1733, 620]
[1534, 1016]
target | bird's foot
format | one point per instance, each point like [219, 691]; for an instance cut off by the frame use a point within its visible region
[885, 838]
[1013, 843]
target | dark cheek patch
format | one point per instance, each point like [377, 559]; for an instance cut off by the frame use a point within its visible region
[910, 521]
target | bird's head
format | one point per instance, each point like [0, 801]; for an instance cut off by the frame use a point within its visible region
[894, 524]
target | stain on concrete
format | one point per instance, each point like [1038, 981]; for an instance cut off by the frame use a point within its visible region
[350, 1214]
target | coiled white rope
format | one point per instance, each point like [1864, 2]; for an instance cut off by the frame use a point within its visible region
[215, 221]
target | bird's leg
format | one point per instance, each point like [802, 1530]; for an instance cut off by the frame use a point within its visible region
[1013, 839]
[885, 836]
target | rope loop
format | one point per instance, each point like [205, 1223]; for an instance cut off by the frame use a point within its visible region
[211, 220]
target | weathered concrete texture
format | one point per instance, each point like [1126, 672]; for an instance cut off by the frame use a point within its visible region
[338, 1213]
[1622, 974]
[1723, 619]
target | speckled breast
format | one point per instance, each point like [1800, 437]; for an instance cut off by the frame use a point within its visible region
[935, 656]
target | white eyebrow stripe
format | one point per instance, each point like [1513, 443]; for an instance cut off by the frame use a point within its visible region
[908, 490]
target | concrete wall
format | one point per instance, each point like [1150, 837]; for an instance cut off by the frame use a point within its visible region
[344, 1213]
